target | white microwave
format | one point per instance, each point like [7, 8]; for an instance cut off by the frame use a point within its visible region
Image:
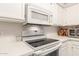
[37, 15]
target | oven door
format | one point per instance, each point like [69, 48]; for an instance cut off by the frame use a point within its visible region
[53, 51]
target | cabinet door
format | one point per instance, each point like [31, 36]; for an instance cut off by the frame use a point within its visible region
[65, 49]
[12, 10]
[75, 48]
[71, 15]
[58, 15]
[76, 51]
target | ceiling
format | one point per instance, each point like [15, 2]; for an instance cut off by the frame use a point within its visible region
[65, 5]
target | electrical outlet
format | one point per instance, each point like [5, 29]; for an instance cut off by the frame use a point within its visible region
[18, 38]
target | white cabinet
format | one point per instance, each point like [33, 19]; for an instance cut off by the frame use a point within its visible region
[69, 48]
[76, 51]
[58, 15]
[65, 49]
[71, 15]
[12, 12]
[15, 12]
[75, 48]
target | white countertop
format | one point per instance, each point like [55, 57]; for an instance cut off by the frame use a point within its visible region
[10, 47]
[63, 38]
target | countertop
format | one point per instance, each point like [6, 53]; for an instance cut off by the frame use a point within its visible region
[63, 38]
[10, 47]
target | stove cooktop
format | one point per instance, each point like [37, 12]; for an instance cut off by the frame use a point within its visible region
[40, 42]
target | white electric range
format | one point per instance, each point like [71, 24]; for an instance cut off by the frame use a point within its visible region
[33, 35]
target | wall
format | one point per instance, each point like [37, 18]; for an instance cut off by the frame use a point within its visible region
[50, 31]
[9, 30]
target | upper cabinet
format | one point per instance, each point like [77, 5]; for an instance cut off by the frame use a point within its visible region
[42, 13]
[13, 12]
[72, 15]
[58, 15]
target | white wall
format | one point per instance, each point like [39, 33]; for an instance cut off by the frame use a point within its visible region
[10, 29]
[50, 31]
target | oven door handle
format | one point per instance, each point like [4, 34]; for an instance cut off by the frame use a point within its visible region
[44, 52]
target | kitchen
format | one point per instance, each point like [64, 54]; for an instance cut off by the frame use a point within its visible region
[44, 29]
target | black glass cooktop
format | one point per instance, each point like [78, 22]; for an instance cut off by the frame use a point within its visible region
[40, 42]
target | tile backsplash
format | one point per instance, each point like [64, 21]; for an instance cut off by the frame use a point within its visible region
[15, 29]
[50, 31]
